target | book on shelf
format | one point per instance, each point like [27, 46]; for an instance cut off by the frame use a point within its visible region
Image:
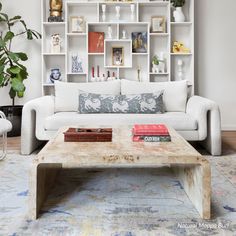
[150, 139]
[150, 129]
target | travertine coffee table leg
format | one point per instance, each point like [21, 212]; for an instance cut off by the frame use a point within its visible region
[42, 178]
[196, 181]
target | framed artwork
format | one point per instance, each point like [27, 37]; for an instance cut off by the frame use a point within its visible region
[77, 24]
[117, 56]
[139, 42]
[158, 24]
[96, 42]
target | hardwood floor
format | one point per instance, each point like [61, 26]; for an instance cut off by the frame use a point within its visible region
[228, 139]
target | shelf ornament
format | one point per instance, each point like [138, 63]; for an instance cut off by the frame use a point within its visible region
[55, 11]
[178, 12]
[178, 47]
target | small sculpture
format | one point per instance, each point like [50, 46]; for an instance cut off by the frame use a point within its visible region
[132, 8]
[178, 47]
[118, 13]
[76, 64]
[123, 34]
[55, 43]
[55, 75]
[158, 64]
[55, 11]
[109, 32]
[180, 74]
[103, 12]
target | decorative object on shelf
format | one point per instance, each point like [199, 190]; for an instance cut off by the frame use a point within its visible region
[158, 24]
[96, 42]
[178, 47]
[123, 34]
[139, 42]
[76, 64]
[104, 12]
[178, 12]
[55, 11]
[55, 43]
[77, 24]
[109, 32]
[180, 73]
[138, 72]
[132, 9]
[158, 64]
[117, 56]
[55, 75]
[117, 13]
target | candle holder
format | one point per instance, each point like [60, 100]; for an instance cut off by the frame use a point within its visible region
[132, 9]
[103, 12]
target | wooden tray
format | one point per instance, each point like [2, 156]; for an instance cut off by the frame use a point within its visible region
[88, 135]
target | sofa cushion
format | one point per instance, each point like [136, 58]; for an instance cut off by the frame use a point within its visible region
[145, 103]
[178, 120]
[66, 94]
[175, 93]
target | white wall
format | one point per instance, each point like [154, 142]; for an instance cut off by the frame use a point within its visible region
[215, 53]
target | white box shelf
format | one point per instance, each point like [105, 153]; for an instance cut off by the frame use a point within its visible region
[157, 43]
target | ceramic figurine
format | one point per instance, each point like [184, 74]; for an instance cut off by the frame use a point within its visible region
[76, 64]
[180, 74]
[132, 8]
[118, 13]
[178, 47]
[55, 43]
[55, 75]
[109, 32]
[103, 12]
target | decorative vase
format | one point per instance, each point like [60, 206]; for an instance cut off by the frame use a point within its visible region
[132, 9]
[155, 68]
[103, 12]
[179, 15]
[109, 32]
[180, 74]
[118, 13]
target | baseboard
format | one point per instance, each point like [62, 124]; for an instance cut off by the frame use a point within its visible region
[228, 128]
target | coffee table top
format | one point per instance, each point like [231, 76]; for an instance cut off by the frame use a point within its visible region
[122, 151]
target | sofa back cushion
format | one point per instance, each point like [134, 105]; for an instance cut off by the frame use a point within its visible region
[175, 93]
[66, 94]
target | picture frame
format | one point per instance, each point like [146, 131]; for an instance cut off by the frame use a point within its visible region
[158, 24]
[117, 56]
[139, 42]
[77, 24]
[96, 42]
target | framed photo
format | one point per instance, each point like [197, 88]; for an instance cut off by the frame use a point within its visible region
[158, 24]
[139, 42]
[117, 56]
[77, 24]
[96, 42]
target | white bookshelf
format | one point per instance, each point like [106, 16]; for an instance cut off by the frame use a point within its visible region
[91, 10]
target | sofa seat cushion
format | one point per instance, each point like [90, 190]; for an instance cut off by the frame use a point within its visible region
[177, 120]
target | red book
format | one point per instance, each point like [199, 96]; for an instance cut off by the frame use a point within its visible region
[152, 129]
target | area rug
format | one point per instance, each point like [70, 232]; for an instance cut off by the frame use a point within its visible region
[119, 202]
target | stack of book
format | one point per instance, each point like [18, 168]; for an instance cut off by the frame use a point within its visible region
[151, 133]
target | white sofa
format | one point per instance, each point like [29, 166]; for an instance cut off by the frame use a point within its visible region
[195, 118]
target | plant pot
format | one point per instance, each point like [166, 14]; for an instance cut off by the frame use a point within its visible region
[179, 15]
[13, 114]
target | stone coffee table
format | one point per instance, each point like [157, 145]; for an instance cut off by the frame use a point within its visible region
[192, 169]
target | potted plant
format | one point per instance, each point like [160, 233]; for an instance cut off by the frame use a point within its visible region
[158, 65]
[12, 71]
[178, 12]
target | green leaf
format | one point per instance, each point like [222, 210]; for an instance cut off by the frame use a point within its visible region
[15, 18]
[29, 35]
[0, 6]
[24, 74]
[23, 23]
[5, 16]
[20, 94]
[17, 85]
[2, 67]
[2, 61]
[12, 93]
[9, 36]
[22, 56]
[15, 70]
[2, 43]
[13, 56]
[1, 80]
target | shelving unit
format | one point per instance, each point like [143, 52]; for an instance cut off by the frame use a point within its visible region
[157, 43]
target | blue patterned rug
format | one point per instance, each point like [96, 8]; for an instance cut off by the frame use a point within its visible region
[120, 202]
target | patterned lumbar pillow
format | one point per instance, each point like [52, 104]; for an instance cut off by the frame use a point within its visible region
[146, 103]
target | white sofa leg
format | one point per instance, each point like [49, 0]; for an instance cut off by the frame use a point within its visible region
[4, 146]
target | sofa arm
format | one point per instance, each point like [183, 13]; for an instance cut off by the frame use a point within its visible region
[207, 113]
[33, 116]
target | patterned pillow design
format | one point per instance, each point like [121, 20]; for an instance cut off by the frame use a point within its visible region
[146, 103]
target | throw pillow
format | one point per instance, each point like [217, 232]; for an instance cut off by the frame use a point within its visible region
[146, 103]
